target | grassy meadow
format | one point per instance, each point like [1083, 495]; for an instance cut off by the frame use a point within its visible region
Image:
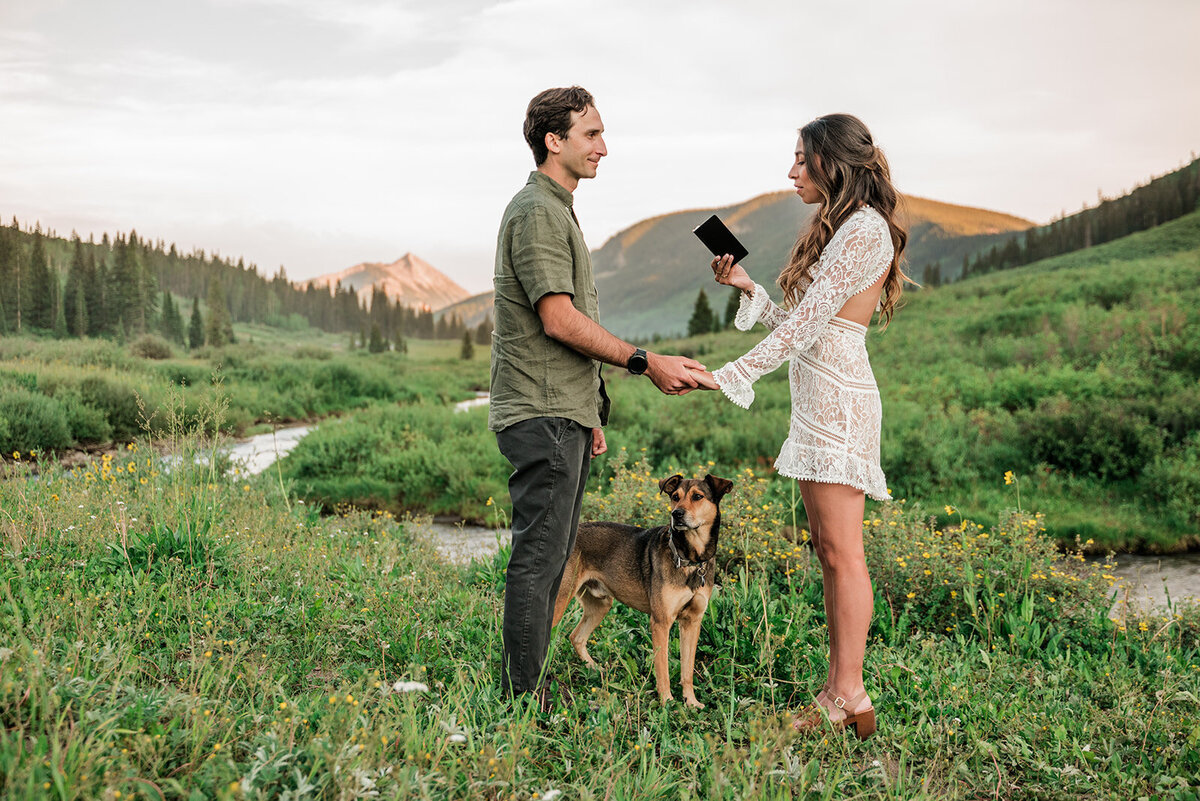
[86, 394]
[180, 633]
[171, 629]
[1077, 377]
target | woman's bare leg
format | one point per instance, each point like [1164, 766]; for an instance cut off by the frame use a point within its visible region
[814, 525]
[844, 567]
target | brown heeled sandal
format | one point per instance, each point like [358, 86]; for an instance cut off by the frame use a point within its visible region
[862, 721]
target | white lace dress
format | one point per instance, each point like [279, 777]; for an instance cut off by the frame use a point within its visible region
[833, 437]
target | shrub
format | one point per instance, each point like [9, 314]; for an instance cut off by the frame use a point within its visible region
[87, 423]
[117, 401]
[151, 346]
[1174, 481]
[1008, 582]
[313, 352]
[1099, 437]
[32, 422]
[184, 374]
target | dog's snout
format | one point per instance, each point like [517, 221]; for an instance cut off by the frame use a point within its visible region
[678, 513]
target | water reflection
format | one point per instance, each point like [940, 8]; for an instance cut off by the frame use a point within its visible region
[1148, 581]
[258, 453]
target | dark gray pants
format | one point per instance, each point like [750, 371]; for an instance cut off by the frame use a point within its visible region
[551, 457]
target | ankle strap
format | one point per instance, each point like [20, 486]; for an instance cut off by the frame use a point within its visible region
[840, 702]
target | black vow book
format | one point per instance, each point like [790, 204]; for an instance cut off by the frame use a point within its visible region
[719, 239]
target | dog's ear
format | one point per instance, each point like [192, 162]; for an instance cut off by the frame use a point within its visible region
[668, 485]
[719, 486]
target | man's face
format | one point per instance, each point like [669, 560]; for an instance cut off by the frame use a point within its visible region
[580, 152]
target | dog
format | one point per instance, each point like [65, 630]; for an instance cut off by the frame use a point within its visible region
[666, 572]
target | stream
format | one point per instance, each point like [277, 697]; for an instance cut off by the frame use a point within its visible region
[1146, 581]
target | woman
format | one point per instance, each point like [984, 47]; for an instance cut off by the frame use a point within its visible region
[843, 269]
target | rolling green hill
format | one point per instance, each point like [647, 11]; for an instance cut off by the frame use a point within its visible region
[649, 274]
[1079, 373]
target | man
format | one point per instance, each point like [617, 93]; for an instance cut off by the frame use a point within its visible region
[547, 398]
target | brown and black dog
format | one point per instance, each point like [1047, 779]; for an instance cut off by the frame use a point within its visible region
[665, 571]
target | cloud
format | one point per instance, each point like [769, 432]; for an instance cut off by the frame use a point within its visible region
[310, 132]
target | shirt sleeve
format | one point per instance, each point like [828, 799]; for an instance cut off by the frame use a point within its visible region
[850, 264]
[541, 254]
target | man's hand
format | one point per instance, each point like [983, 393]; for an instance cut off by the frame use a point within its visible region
[673, 375]
[599, 446]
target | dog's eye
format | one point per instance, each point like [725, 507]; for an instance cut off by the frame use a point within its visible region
[675, 497]
[697, 497]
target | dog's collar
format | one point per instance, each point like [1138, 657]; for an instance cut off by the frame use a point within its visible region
[679, 560]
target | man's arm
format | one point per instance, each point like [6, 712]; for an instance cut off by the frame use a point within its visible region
[562, 321]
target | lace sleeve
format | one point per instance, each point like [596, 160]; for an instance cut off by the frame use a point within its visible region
[850, 263]
[757, 307]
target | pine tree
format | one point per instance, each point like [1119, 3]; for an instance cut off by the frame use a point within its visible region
[219, 328]
[74, 297]
[120, 289]
[731, 307]
[702, 316]
[8, 280]
[95, 280]
[172, 321]
[377, 345]
[41, 291]
[467, 352]
[60, 317]
[483, 332]
[196, 325]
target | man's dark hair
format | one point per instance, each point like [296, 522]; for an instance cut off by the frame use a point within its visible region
[550, 112]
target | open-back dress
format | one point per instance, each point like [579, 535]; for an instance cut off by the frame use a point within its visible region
[836, 416]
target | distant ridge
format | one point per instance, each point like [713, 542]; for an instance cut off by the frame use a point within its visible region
[472, 311]
[650, 274]
[410, 280]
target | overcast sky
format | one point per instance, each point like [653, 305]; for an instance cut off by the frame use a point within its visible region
[316, 134]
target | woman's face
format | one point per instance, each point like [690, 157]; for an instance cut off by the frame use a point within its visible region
[805, 187]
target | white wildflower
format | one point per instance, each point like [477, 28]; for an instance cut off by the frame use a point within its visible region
[410, 687]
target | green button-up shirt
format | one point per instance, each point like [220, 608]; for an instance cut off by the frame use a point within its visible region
[540, 251]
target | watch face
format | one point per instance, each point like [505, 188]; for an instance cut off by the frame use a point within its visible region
[637, 362]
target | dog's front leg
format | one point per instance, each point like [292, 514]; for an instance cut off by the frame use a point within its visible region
[689, 637]
[660, 635]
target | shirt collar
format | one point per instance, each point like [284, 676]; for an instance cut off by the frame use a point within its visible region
[552, 186]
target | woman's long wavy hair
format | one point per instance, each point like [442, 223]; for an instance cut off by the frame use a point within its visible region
[847, 168]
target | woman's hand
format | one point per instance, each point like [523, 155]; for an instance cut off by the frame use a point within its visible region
[705, 380]
[730, 274]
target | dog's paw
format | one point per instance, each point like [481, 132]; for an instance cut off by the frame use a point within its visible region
[693, 703]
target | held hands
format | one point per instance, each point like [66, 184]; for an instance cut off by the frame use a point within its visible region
[705, 380]
[675, 375]
[730, 274]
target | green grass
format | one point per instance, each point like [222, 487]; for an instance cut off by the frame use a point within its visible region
[89, 393]
[1078, 374]
[177, 634]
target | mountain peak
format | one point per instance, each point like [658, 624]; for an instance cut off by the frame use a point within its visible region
[410, 280]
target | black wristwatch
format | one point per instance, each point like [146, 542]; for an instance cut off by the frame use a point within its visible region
[637, 363]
